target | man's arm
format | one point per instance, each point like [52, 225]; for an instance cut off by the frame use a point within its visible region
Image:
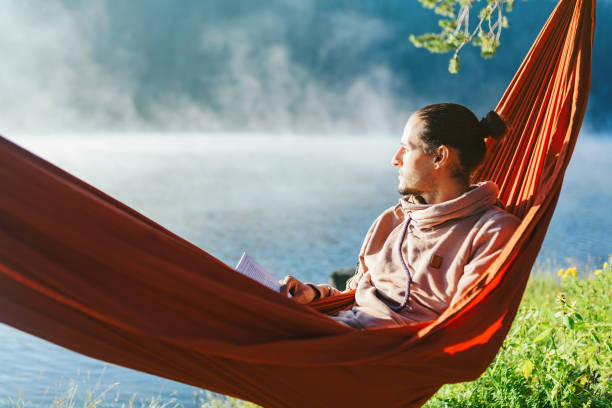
[487, 246]
[305, 292]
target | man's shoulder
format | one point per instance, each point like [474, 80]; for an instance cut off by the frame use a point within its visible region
[498, 217]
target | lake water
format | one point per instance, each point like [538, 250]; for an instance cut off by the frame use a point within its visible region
[299, 205]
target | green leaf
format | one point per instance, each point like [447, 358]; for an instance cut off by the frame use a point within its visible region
[595, 337]
[454, 64]
[428, 3]
[542, 336]
[568, 321]
[447, 8]
[445, 11]
[448, 25]
[488, 45]
[485, 13]
[432, 42]
[415, 41]
[527, 369]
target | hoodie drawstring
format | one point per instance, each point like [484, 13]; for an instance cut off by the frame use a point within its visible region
[408, 274]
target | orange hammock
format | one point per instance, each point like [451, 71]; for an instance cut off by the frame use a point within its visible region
[82, 270]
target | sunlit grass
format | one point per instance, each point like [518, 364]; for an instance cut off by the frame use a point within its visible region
[74, 397]
[558, 353]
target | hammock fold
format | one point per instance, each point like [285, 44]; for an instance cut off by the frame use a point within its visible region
[82, 270]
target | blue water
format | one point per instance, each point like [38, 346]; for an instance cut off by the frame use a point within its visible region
[299, 205]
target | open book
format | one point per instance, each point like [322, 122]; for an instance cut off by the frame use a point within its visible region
[249, 267]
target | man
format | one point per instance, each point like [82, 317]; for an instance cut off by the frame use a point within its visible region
[420, 255]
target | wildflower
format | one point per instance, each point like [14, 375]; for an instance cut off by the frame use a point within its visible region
[598, 271]
[560, 273]
[571, 272]
[606, 265]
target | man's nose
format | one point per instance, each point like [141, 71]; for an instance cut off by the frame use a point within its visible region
[397, 158]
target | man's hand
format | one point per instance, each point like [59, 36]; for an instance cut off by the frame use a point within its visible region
[299, 291]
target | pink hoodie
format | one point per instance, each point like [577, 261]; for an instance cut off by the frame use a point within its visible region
[447, 246]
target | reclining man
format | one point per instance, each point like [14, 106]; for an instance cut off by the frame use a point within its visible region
[420, 255]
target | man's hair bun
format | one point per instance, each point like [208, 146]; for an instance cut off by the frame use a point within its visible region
[493, 126]
[456, 126]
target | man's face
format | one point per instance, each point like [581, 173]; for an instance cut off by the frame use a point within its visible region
[415, 167]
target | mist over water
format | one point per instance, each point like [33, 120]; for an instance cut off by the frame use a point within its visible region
[277, 66]
[301, 203]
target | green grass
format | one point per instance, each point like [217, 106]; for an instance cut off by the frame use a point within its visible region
[558, 353]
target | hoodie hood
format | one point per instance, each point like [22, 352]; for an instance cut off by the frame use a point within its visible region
[479, 198]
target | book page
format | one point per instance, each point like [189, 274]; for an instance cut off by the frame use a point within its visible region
[249, 267]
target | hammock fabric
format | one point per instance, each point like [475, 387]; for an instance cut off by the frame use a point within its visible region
[84, 271]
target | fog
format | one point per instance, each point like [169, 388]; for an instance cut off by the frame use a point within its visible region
[309, 66]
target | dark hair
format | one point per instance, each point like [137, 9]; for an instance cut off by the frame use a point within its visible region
[455, 125]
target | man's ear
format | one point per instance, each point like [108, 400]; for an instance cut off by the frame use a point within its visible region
[442, 157]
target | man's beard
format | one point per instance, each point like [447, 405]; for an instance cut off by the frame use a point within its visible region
[405, 191]
[410, 192]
